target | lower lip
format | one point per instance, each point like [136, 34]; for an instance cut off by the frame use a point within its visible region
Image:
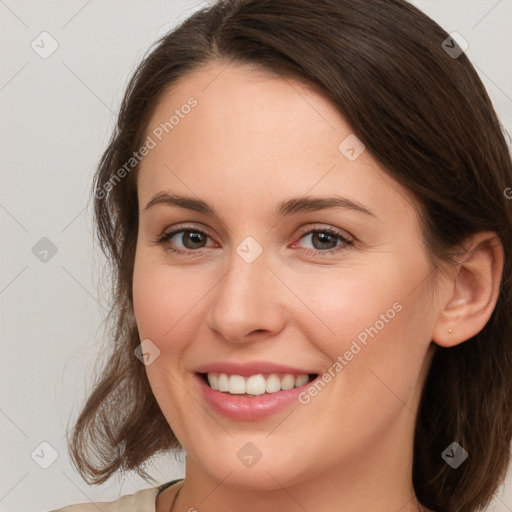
[244, 408]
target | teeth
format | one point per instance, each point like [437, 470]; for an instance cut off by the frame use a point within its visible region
[255, 384]
[236, 384]
[273, 384]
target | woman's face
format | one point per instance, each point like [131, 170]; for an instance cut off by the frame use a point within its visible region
[265, 277]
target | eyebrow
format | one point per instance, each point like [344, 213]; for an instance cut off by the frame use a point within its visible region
[290, 206]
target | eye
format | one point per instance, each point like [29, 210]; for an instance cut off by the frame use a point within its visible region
[325, 240]
[191, 238]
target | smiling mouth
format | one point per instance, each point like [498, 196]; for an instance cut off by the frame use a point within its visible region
[255, 385]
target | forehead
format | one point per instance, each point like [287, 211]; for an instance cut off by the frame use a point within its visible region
[259, 134]
[228, 92]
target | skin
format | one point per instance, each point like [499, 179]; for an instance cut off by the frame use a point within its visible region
[254, 140]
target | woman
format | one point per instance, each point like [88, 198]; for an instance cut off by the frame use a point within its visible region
[305, 207]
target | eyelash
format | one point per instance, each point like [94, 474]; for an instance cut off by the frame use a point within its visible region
[192, 229]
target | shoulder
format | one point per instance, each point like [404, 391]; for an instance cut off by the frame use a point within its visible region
[141, 501]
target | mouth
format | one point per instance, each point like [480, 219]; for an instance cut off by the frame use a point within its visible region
[255, 385]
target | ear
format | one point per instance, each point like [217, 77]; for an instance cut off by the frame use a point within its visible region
[473, 292]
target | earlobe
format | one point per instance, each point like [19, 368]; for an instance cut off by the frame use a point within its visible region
[473, 291]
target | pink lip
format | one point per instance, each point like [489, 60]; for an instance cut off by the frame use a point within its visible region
[249, 368]
[245, 408]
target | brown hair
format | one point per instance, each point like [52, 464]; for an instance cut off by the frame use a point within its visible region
[426, 117]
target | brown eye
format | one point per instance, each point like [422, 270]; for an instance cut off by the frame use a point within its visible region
[190, 240]
[325, 241]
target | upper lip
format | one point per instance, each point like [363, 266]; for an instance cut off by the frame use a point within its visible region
[249, 368]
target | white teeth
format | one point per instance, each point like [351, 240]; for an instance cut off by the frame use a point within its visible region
[273, 384]
[301, 380]
[255, 384]
[288, 382]
[223, 382]
[236, 384]
[213, 380]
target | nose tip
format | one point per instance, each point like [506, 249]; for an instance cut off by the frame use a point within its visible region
[246, 300]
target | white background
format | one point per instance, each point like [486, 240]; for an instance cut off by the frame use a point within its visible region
[56, 117]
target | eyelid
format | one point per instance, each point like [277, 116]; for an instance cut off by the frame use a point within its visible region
[189, 226]
[327, 227]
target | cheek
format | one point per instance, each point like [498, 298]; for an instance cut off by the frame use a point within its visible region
[379, 313]
[166, 300]
[149, 303]
[383, 343]
[342, 303]
[153, 300]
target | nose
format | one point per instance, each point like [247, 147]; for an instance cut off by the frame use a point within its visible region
[246, 302]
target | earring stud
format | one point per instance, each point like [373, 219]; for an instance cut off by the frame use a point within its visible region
[450, 331]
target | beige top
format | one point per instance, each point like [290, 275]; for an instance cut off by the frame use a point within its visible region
[141, 501]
